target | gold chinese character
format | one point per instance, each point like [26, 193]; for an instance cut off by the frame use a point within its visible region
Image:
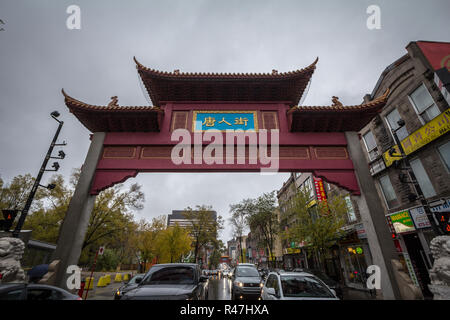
[209, 122]
[429, 129]
[407, 143]
[224, 121]
[241, 120]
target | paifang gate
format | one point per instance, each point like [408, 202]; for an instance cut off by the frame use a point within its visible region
[127, 140]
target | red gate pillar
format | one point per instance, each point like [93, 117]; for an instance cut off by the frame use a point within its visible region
[372, 215]
[76, 221]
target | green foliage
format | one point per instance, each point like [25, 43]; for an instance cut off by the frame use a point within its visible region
[261, 216]
[108, 261]
[110, 225]
[15, 194]
[143, 239]
[204, 229]
[172, 244]
[319, 226]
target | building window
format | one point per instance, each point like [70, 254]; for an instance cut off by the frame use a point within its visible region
[392, 118]
[422, 178]
[308, 187]
[444, 151]
[424, 104]
[371, 145]
[350, 211]
[388, 191]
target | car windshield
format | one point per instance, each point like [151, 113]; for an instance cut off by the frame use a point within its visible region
[133, 280]
[247, 272]
[172, 275]
[304, 286]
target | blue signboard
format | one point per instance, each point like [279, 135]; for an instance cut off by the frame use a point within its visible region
[224, 120]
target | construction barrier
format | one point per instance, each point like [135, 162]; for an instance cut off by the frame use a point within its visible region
[102, 282]
[126, 277]
[107, 278]
[89, 283]
[118, 277]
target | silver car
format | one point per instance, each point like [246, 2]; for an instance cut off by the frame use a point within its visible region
[296, 286]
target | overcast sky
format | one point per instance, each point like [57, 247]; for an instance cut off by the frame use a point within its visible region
[39, 56]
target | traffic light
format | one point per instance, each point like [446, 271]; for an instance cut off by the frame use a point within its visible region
[9, 216]
[444, 221]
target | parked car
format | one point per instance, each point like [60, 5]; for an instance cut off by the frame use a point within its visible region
[133, 283]
[331, 283]
[31, 291]
[247, 282]
[296, 286]
[172, 281]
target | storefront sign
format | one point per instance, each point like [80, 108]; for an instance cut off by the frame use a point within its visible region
[360, 231]
[411, 271]
[427, 133]
[320, 191]
[402, 222]
[224, 120]
[293, 250]
[419, 217]
[441, 207]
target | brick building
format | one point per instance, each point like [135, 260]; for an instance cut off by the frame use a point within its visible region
[418, 84]
[346, 261]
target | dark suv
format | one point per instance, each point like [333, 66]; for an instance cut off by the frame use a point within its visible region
[247, 282]
[172, 281]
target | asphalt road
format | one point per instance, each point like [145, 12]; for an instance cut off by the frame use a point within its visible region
[219, 289]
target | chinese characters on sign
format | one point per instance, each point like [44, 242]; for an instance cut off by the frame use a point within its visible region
[320, 191]
[420, 217]
[427, 133]
[225, 120]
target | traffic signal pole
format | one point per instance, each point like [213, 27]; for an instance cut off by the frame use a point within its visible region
[27, 206]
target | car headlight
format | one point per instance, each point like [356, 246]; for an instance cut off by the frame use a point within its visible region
[261, 284]
[239, 284]
[118, 292]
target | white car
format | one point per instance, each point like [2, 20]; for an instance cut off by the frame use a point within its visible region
[296, 286]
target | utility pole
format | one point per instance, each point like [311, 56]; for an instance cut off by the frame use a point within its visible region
[37, 184]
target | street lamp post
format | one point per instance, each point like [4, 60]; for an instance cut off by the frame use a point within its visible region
[412, 178]
[37, 184]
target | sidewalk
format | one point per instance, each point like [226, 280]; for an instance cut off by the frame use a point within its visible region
[104, 293]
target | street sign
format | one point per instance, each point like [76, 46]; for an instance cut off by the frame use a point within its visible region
[101, 250]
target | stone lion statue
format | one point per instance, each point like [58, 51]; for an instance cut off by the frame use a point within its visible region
[440, 273]
[11, 251]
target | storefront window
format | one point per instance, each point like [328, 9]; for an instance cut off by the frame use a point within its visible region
[355, 264]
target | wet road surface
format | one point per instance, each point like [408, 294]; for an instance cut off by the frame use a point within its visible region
[219, 289]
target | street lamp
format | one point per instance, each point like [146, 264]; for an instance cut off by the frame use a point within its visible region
[412, 178]
[55, 166]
